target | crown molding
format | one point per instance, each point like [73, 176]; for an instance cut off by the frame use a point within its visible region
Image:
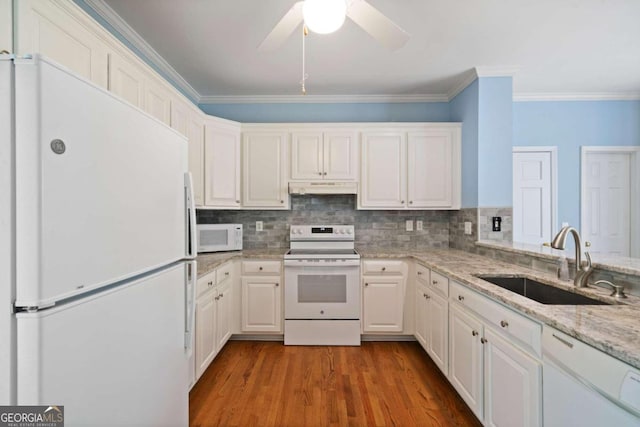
[578, 96]
[112, 18]
[322, 99]
[468, 78]
[478, 72]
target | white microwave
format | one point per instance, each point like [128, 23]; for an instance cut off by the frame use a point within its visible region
[219, 237]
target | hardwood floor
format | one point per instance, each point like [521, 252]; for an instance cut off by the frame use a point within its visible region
[380, 383]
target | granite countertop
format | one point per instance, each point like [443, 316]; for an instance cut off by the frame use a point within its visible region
[614, 329]
[211, 261]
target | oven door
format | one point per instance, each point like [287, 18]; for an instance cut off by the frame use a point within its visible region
[322, 289]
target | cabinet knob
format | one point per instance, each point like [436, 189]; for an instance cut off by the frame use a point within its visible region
[226, 273]
[504, 323]
[483, 340]
[435, 282]
[366, 284]
[320, 173]
[428, 296]
[281, 201]
[384, 268]
[260, 268]
[474, 333]
[221, 295]
[419, 273]
[217, 298]
[460, 298]
[210, 284]
[237, 201]
[402, 202]
[424, 295]
[324, 173]
[410, 202]
[277, 284]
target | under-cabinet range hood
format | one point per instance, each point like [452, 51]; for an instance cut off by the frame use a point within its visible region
[323, 188]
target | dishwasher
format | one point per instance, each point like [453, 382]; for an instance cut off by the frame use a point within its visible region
[583, 386]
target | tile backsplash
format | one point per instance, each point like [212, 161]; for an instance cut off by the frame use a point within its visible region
[374, 229]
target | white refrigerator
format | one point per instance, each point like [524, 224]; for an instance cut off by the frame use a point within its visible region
[97, 248]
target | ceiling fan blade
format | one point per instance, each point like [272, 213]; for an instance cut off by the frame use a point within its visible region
[283, 29]
[377, 25]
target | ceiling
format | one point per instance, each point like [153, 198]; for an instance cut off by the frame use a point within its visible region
[577, 48]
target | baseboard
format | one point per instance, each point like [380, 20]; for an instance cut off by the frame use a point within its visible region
[257, 337]
[371, 337]
[280, 337]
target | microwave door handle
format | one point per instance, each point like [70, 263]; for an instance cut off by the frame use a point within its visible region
[192, 233]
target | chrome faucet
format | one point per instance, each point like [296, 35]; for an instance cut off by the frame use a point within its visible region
[582, 271]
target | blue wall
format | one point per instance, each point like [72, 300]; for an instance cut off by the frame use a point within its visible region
[302, 113]
[495, 131]
[464, 108]
[570, 125]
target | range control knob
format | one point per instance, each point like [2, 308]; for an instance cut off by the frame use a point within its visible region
[349, 231]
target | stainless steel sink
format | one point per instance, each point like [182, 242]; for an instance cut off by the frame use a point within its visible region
[540, 292]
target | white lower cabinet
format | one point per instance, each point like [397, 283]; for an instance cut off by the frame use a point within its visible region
[261, 296]
[499, 380]
[432, 319]
[213, 316]
[383, 295]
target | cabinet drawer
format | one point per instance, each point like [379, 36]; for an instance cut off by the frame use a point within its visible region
[423, 274]
[206, 282]
[223, 273]
[261, 267]
[439, 283]
[522, 331]
[383, 267]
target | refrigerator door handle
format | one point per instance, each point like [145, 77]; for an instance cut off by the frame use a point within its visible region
[192, 233]
[190, 309]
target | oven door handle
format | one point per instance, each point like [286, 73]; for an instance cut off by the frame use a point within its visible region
[322, 263]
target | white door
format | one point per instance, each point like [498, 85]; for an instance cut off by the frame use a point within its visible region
[383, 179]
[513, 385]
[264, 170]
[383, 303]
[123, 348]
[205, 331]
[438, 331]
[533, 193]
[421, 315]
[340, 156]
[195, 133]
[606, 203]
[306, 156]
[465, 363]
[126, 80]
[221, 166]
[223, 313]
[261, 304]
[430, 169]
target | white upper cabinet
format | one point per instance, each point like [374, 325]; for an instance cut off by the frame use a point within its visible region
[6, 25]
[317, 155]
[190, 123]
[383, 182]
[157, 100]
[126, 80]
[411, 168]
[53, 29]
[264, 172]
[222, 164]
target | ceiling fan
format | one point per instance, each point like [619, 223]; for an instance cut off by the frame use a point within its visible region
[326, 16]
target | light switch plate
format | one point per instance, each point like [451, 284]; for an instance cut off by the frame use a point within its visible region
[419, 225]
[409, 226]
[259, 225]
[467, 227]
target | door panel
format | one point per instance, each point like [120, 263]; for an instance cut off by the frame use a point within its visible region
[264, 172]
[383, 178]
[607, 190]
[222, 166]
[340, 156]
[383, 304]
[306, 156]
[532, 197]
[430, 162]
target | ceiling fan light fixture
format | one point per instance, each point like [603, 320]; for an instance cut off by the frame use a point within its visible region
[324, 16]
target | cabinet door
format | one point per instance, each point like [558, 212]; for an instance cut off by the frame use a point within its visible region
[438, 330]
[306, 156]
[383, 304]
[383, 176]
[222, 166]
[157, 100]
[430, 169]
[126, 80]
[223, 313]
[195, 133]
[261, 304]
[421, 315]
[513, 385]
[340, 156]
[205, 331]
[6, 25]
[264, 172]
[465, 363]
[56, 30]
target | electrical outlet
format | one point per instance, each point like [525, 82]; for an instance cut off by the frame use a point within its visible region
[467, 227]
[419, 225]
[259, 225]
[409, 226]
